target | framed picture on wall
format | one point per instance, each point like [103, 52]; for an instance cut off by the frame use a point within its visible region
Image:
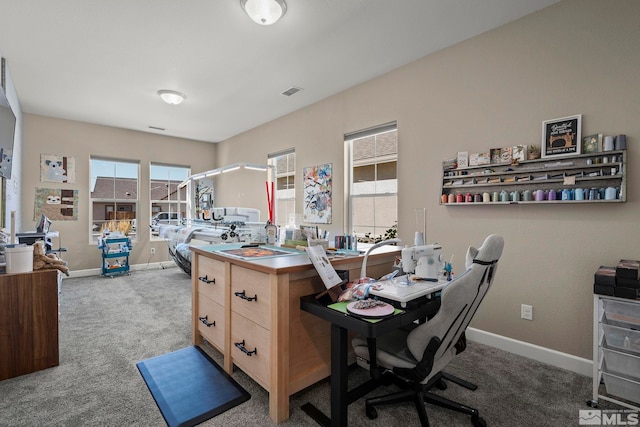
[317, 190]
[562, 136]
[592, 143]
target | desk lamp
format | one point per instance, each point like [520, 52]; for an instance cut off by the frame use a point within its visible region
[363, 271]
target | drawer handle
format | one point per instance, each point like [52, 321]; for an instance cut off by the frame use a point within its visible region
[245, 297]
[243, 349]
[205, 320]
[206, 280]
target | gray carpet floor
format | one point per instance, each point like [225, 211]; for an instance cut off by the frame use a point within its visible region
[107, 325]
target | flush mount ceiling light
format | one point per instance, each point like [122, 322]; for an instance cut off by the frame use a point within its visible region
[171, 96]
[264, 12]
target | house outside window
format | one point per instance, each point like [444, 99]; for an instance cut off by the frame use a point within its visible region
[285, 172]
[114, 196]
[373, 181]
[168, 202]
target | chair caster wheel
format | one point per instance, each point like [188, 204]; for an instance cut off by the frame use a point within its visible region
[441, 385]
[478, 421]
[371, 412]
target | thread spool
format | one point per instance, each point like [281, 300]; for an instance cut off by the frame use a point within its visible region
[608, 143]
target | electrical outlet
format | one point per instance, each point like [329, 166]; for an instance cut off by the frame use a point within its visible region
[526, 312]
[153, 251]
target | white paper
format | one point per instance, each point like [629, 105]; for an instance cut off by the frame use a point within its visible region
[324, 268]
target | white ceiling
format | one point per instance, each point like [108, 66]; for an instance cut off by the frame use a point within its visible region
[103, 61]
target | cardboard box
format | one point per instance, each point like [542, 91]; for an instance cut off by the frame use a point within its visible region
[605, 276]
[603, 290]
[628, 269]
[621, 292]
[628, 283]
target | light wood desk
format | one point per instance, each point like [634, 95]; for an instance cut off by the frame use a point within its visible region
[250, 312]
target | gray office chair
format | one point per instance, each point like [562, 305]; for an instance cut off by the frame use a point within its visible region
[417, 357]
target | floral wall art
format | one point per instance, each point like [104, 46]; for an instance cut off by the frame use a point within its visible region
[317, 194]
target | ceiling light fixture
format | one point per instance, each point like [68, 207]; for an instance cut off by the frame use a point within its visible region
[264, 12]
[172, 97]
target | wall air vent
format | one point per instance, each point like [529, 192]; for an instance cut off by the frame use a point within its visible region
[291, 91]
[157, 128]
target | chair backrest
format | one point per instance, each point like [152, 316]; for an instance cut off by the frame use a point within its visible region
[459, 302]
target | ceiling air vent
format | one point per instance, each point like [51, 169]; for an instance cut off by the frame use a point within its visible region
[291, 91]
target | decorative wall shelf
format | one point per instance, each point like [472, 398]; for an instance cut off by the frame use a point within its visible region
[587, 178]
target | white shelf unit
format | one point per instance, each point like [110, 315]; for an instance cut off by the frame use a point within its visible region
[616, 351]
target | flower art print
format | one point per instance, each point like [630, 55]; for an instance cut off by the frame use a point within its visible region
[317, 194]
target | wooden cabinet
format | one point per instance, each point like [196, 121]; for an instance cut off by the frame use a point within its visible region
[259, 326]
[497, 184]
[28, 322]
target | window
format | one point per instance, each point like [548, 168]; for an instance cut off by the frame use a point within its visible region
[168, 203]
[373, 181]
[114, 196]
[285, 164]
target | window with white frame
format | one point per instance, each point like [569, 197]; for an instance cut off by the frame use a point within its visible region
[373, 181]
[114, 196]
[285, 172]
[168, 202]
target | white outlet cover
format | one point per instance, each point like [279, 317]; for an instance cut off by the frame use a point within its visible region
[526, 312]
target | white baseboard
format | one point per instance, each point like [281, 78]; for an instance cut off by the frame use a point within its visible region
[136, 267]
[555, 358]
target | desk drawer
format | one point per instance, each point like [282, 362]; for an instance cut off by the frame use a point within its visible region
[211, 278]
[251, 295]
[255, 340]
[211, 321]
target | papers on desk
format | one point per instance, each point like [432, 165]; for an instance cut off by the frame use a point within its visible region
[403, 289]
[324, 268]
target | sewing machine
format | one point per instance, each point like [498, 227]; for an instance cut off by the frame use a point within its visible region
[423, 261]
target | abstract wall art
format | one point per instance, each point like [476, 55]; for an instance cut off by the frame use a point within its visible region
[317, 194]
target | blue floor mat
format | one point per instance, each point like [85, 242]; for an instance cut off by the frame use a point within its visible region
[189, 387]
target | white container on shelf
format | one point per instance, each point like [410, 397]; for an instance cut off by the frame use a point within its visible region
[625, 364]
[622, 387]
[622, 312]
[623, 339]
[19, 259]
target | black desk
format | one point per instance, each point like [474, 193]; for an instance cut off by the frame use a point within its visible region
[340, 325]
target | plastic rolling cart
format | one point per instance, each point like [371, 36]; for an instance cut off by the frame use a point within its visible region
[115, 255]
[616, 351]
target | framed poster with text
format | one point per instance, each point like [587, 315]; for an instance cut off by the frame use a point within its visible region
[562, 137]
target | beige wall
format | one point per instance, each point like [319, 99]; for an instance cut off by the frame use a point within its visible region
[576, 57]
[44, 135]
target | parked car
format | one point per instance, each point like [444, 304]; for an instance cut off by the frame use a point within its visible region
[164, 218]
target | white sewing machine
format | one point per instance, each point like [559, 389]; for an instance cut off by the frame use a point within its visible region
[423, 261]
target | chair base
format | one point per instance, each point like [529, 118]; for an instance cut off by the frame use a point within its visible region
[419, 394]
[464, 383]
